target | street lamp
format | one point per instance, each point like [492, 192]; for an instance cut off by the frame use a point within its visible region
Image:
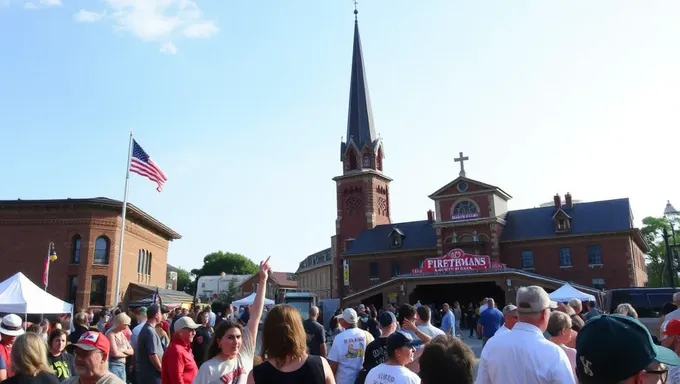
[670, 213]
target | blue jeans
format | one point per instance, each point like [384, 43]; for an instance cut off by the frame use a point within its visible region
[118, 369]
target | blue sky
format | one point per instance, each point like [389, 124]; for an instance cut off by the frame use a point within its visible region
[243, 104]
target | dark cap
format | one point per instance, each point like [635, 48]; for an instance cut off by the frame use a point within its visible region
[612, 348]
[164, 309]
[401, 339]
[386, 319]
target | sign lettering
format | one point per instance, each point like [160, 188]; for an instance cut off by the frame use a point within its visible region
[457, 260]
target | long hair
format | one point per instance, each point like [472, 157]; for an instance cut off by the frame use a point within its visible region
[214, 348]
[29, 355]
[283, 334]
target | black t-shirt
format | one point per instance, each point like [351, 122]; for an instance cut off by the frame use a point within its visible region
[376, 353]
[316, 336]
[40, 378]
[62, 365]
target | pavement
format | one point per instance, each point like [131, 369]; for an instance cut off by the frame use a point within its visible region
[473, 342]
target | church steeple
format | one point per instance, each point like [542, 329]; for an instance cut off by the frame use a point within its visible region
[362, 148]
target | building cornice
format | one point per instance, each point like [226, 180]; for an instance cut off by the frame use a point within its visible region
[362, 173]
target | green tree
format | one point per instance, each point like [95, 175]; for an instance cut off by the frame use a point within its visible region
[184, 281]
[652, 230]
[227, 262]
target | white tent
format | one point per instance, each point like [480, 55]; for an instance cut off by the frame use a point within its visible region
[567, 292]
[18, 294]
[250, 299]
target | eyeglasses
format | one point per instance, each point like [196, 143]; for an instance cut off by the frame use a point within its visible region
[663, 373]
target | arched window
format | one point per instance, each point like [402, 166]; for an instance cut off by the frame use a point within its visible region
[147, 266]
[465, 209]
[75, 249]
[352, 160]
[140, 255]
[101, 250]
[366, 162]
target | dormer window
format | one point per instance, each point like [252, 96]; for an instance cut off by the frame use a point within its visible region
[562, 221]
[396, 238]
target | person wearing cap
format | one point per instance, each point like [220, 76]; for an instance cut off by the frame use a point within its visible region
[509, 319]
[401, 349]
[671, 329]
[91, 360]
[524, 356]
[201, 340]
[165, 324]
[140, 315]
[10, 329]
[619, 349]
[149, 350]
[179, 365]
[376, 351]
[347, 352]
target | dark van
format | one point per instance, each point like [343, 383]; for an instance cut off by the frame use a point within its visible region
[646, 301]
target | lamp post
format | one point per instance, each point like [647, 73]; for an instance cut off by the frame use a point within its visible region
[51, 258]
[669, 258]
[670, 213]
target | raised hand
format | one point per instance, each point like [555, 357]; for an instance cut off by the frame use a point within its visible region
[265, 269]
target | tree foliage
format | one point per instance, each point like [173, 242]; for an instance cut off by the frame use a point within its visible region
[652, 230]
[227, 262]
[184, 280]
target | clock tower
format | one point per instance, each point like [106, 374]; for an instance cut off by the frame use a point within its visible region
[362, 190]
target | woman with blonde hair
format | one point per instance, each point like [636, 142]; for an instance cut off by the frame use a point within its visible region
[29, 361]
[626, 309]
[120, 346]
[284, 346]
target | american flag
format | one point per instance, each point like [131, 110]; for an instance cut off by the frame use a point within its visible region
[141, 164]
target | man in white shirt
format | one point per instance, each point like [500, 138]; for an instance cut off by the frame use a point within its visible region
[510, 319]
[349, 346]
[424, 324]
[524, 356]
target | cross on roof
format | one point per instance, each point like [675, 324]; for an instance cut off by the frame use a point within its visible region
[461, 159]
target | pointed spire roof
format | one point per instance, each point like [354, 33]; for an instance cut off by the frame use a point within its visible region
[360, 128]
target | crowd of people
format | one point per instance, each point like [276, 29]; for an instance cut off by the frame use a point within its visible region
[534, 341]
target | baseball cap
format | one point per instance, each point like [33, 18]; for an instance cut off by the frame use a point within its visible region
[386, 319]
[509, 308]
[676, 297]
[361, 306]
[671, 327]
[91, 341]
[612, 348]
[533, 299]
[349, 315]
[142, 310]
[401, 339]
[184, 322]
[164, 309]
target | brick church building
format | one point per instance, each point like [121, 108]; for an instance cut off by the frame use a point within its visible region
[471, 242]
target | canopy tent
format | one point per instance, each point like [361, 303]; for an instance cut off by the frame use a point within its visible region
[18, 294]
[567, 292]
[249, 300]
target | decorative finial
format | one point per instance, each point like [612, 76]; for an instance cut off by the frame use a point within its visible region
[356, 11]
[461, 160]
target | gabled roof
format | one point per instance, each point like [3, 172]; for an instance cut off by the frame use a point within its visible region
[101, 202]
[593, 217]
[283, 279]
[416, 235]
[483, 186]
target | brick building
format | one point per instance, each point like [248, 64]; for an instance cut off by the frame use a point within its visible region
[86, 235]
[313, 274]
[594, 245]
[277, 284]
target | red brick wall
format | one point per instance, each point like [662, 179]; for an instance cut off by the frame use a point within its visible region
[546, 258]
[447, 205]
[26, 233]
[359, 273]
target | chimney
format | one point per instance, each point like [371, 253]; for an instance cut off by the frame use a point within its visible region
[558, 201]
[430, 215]
[567, 200]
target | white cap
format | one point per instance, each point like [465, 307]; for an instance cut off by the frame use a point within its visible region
[533, 299]
[184, 322]
[349, 315]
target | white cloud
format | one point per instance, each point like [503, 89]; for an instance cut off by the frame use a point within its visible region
[168, 48]
[50, 3]
[84, 16]
[42, 4]
[160, 20]
[201, 30]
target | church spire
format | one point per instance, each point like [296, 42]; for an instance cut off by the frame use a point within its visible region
[360, 128]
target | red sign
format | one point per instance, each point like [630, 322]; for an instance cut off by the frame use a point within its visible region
[457, 260]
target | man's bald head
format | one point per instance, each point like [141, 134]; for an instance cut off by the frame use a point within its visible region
[313, 312]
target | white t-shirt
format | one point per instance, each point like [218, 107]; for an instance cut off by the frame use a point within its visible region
[430, 330]
[220, 371]
[391, 374]
[348, 351]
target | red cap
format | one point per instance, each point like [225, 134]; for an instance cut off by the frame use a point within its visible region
[91, 341]
[671, 327]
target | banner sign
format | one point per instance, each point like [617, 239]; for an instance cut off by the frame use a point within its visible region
[465, 216]
[457, 260]
[345, 272]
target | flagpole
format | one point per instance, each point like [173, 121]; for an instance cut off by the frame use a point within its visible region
[122, 226]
